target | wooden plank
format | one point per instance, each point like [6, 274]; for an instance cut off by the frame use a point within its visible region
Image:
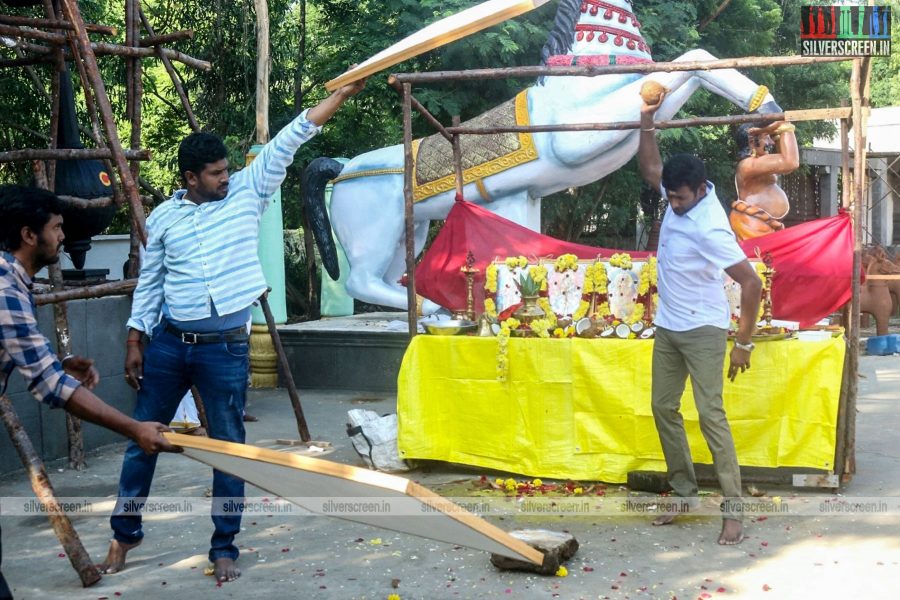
[597, 70]
[814, 114]
[439, 33]
[310, 482]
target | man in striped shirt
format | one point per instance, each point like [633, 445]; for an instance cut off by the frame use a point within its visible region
[199, 278]
[30, 237]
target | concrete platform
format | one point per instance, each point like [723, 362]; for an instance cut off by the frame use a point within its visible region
[347, 353]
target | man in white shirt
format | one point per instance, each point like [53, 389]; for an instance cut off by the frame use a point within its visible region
[199, 277]
[696, 245]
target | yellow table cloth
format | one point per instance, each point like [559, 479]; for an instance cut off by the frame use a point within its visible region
[580, 409]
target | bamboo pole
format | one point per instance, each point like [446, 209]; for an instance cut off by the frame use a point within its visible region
[201, 410]
[408, 211]
[421, 109]
[31, 34]
[96, 134]
[101, 202]
[24, 61]
[846, 177]
[54, 122]
[805, 115]
[262, 72]
[596, 70]
[859, 84]
[457, 161]
[99, 48]
[165, 38]
[135, 89]
[64, 348]
[104, 49]
[55, 24]
[302, 428]
[69, 154]
[173, 75]
[113, 288]
[43, 489]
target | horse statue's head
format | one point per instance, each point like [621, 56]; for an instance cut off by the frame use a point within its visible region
[876, 261]
[595, 32]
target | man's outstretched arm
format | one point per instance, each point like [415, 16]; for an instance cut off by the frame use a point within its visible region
[649, 160]
[268, 170]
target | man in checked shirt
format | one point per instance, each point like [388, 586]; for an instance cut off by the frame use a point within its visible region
[30, 237]
[199, 278]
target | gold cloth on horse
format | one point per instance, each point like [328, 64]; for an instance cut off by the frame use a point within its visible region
[482, 155]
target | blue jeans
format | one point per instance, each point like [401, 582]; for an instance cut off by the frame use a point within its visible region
[219, 370]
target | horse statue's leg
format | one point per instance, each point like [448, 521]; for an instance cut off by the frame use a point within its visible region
[622, 103]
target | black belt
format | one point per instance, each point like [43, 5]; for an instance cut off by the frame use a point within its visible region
[238, 334]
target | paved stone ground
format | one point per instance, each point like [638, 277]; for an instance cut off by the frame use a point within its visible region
[303, 556]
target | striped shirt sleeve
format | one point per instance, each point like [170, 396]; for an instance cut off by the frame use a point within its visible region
[267, 171]
[30, 351]
[148, 296]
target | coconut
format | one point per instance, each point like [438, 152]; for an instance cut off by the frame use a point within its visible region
[651, 92]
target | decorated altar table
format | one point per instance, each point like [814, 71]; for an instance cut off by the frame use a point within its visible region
[579, 409]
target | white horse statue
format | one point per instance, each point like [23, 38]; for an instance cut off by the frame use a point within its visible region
[367, 205]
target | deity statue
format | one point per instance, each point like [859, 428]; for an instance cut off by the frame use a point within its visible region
[763, 154]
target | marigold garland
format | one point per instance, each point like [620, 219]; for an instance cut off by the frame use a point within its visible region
[653, 273]
[514, 262]
[503, 352]
[490, 308]
[566, 262]
[621, 260]
[582, 310]
[490, 278]
[542, 327]
[544, 303]
[636, 315]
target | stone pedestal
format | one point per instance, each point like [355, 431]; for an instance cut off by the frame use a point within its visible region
[263, 359]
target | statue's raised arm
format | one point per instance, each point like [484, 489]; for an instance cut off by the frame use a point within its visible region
[763, 154]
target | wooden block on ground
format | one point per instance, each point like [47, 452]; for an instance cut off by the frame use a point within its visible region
[556, 547]
[648, 481]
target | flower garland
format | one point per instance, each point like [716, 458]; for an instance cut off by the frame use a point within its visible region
[539, 274]
[490, 308]
[490, 278]
[544, 303]
[582, 310]
[647, 277]
[595, 279]
[621, 260]
[566, 262]
[516, 262]
[541, 327]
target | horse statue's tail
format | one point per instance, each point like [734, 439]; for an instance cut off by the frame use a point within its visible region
[315, 178]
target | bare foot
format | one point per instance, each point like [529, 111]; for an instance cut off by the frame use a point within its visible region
[664, 519]
[198, 431]
[225, 570]
[732, 532]
[115, 558]
[248, 418]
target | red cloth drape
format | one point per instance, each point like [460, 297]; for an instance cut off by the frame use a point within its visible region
[488, 236]
[812, 261]
[813, 264]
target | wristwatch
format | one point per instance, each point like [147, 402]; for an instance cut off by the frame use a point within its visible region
[746, 347]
